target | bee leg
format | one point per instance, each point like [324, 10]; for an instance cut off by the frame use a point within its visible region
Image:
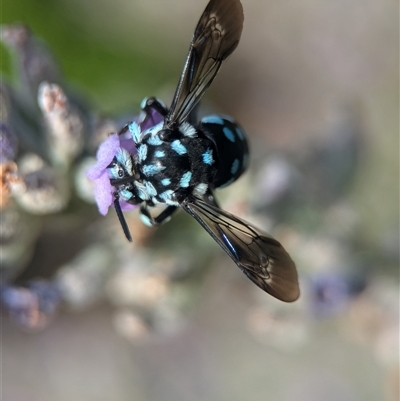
[163, 217]
[123, 129]
[152, 103]
[148, 105]
[121, 217]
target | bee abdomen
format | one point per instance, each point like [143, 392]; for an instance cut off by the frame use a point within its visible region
[231, 147]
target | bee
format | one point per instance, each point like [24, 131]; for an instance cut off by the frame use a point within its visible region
[178, 162]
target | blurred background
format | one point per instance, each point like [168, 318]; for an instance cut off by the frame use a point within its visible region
[88, 316]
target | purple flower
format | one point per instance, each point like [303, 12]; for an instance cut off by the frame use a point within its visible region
[330, 294]
[103, 190]
[8, 143]
[33, 305]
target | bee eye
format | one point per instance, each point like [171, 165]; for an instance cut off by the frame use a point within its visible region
[120, 173]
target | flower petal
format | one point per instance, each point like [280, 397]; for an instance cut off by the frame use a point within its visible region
[103, 193]
[107, 150]
[125, 206]
[155, 119]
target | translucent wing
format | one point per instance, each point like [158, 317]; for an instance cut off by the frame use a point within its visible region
[216, 36]
[261, 258]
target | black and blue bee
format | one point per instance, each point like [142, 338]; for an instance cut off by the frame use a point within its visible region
[179, 163]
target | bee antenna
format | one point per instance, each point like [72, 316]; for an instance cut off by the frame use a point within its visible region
[121, 218]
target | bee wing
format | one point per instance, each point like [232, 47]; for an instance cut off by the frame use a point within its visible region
[260, 257]
[216, 36]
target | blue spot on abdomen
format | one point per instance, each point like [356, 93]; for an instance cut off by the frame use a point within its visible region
[235, 167]
[213, 119]
[229, 134]
[230, 148]
[240, 133]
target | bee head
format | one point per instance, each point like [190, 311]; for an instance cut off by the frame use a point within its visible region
[121, 167]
